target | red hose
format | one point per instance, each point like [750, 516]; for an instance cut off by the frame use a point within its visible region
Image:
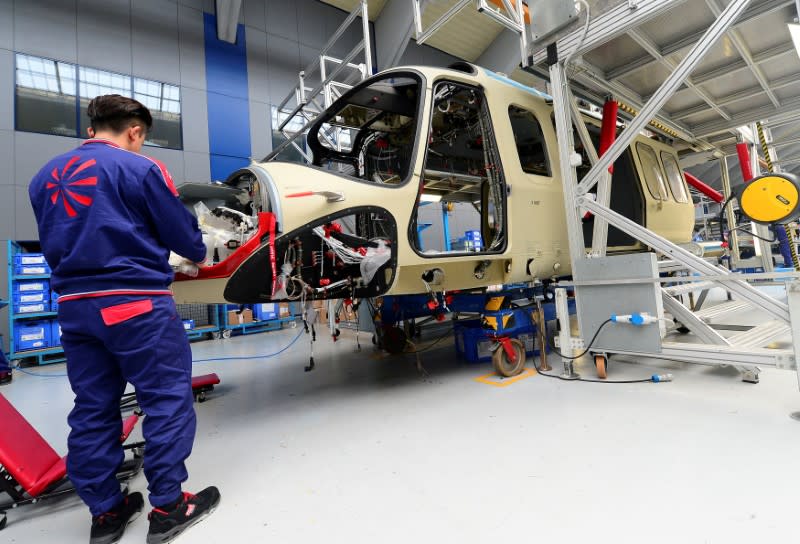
[744, 161]
[608, 129]
[704, 188]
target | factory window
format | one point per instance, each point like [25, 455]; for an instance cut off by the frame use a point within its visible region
[651, 170]
[45, 96]
[530, 142]
[462, 200]
[675, 177]
[52, 97]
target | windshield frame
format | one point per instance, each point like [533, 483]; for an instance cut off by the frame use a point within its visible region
[320, 152]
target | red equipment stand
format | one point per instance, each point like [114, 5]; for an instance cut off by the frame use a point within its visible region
[31, 471]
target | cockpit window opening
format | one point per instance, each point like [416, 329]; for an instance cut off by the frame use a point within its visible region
[462, 203]
[370, 133]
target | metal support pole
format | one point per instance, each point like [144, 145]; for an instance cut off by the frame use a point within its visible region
[564, 334]
[729, 215]
[566, 148]
[665, 92]
[367, 40]
[793, 298]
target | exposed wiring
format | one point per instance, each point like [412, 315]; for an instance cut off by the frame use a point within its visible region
[754, 235]
[583, 34]
[432, 344]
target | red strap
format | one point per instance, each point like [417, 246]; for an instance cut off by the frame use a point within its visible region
[266, 225]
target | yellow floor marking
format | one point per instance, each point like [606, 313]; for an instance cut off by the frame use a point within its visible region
[504, 382]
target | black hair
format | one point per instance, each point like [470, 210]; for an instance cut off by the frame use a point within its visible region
[116, 113]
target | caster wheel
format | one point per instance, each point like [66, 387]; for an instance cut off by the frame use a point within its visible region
[394, 340]
[505, 367]
[374, 340]
[683, 330]
[216, 335]
[226, 334]
[3, 521]
[201, 398]
[600, 362]
[138, 453]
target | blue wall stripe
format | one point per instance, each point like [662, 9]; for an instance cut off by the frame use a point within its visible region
[228, 101]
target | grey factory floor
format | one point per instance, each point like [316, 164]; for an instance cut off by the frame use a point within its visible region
[364, 449]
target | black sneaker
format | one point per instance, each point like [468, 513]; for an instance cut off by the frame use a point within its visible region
[108, 528]
[5, 377]
[166, 524]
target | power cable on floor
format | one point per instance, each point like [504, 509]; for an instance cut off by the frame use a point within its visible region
[266, 356]
[591, 342]
[240, 357]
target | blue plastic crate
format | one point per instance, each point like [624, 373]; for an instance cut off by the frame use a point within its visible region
[55, 334]
[31, 286]
[32, 335]
[265, 311]
[31, 269]
[31, 297]
[35, 308]
[29, 258]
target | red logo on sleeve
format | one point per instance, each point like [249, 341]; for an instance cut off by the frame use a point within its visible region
[70, 188]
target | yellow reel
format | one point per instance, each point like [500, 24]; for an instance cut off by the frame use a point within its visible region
[769, 199]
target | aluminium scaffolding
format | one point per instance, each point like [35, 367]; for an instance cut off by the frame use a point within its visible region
[304, 103]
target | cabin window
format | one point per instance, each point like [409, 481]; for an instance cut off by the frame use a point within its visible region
[461, 206]
[530, 142]
[675, 177]
[651, 169]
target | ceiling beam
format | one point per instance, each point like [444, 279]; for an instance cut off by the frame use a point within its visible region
[753, 12]
[788, 112]
[744, 52]
[746, 94]
[228, 19]
[648, 45]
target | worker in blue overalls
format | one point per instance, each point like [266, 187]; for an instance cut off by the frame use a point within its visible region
[108, 218]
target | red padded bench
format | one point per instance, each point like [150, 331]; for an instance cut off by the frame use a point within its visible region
[31, 470]
[202, 385]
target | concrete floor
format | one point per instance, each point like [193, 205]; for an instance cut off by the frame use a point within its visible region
[365, 449]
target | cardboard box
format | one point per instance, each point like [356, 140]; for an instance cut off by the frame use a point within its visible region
[283, 309]
[235, 318]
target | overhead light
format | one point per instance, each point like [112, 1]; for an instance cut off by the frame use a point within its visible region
[794, 30]
[430, 197]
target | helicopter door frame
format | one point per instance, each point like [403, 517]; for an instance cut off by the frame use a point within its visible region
[441, 189]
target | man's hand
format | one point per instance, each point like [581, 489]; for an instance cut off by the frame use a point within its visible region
[188, 268]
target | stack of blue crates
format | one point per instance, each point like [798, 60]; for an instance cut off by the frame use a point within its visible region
[33, 296]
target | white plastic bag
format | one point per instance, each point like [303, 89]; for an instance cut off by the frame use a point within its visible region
[373, 260]
[282, 281]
